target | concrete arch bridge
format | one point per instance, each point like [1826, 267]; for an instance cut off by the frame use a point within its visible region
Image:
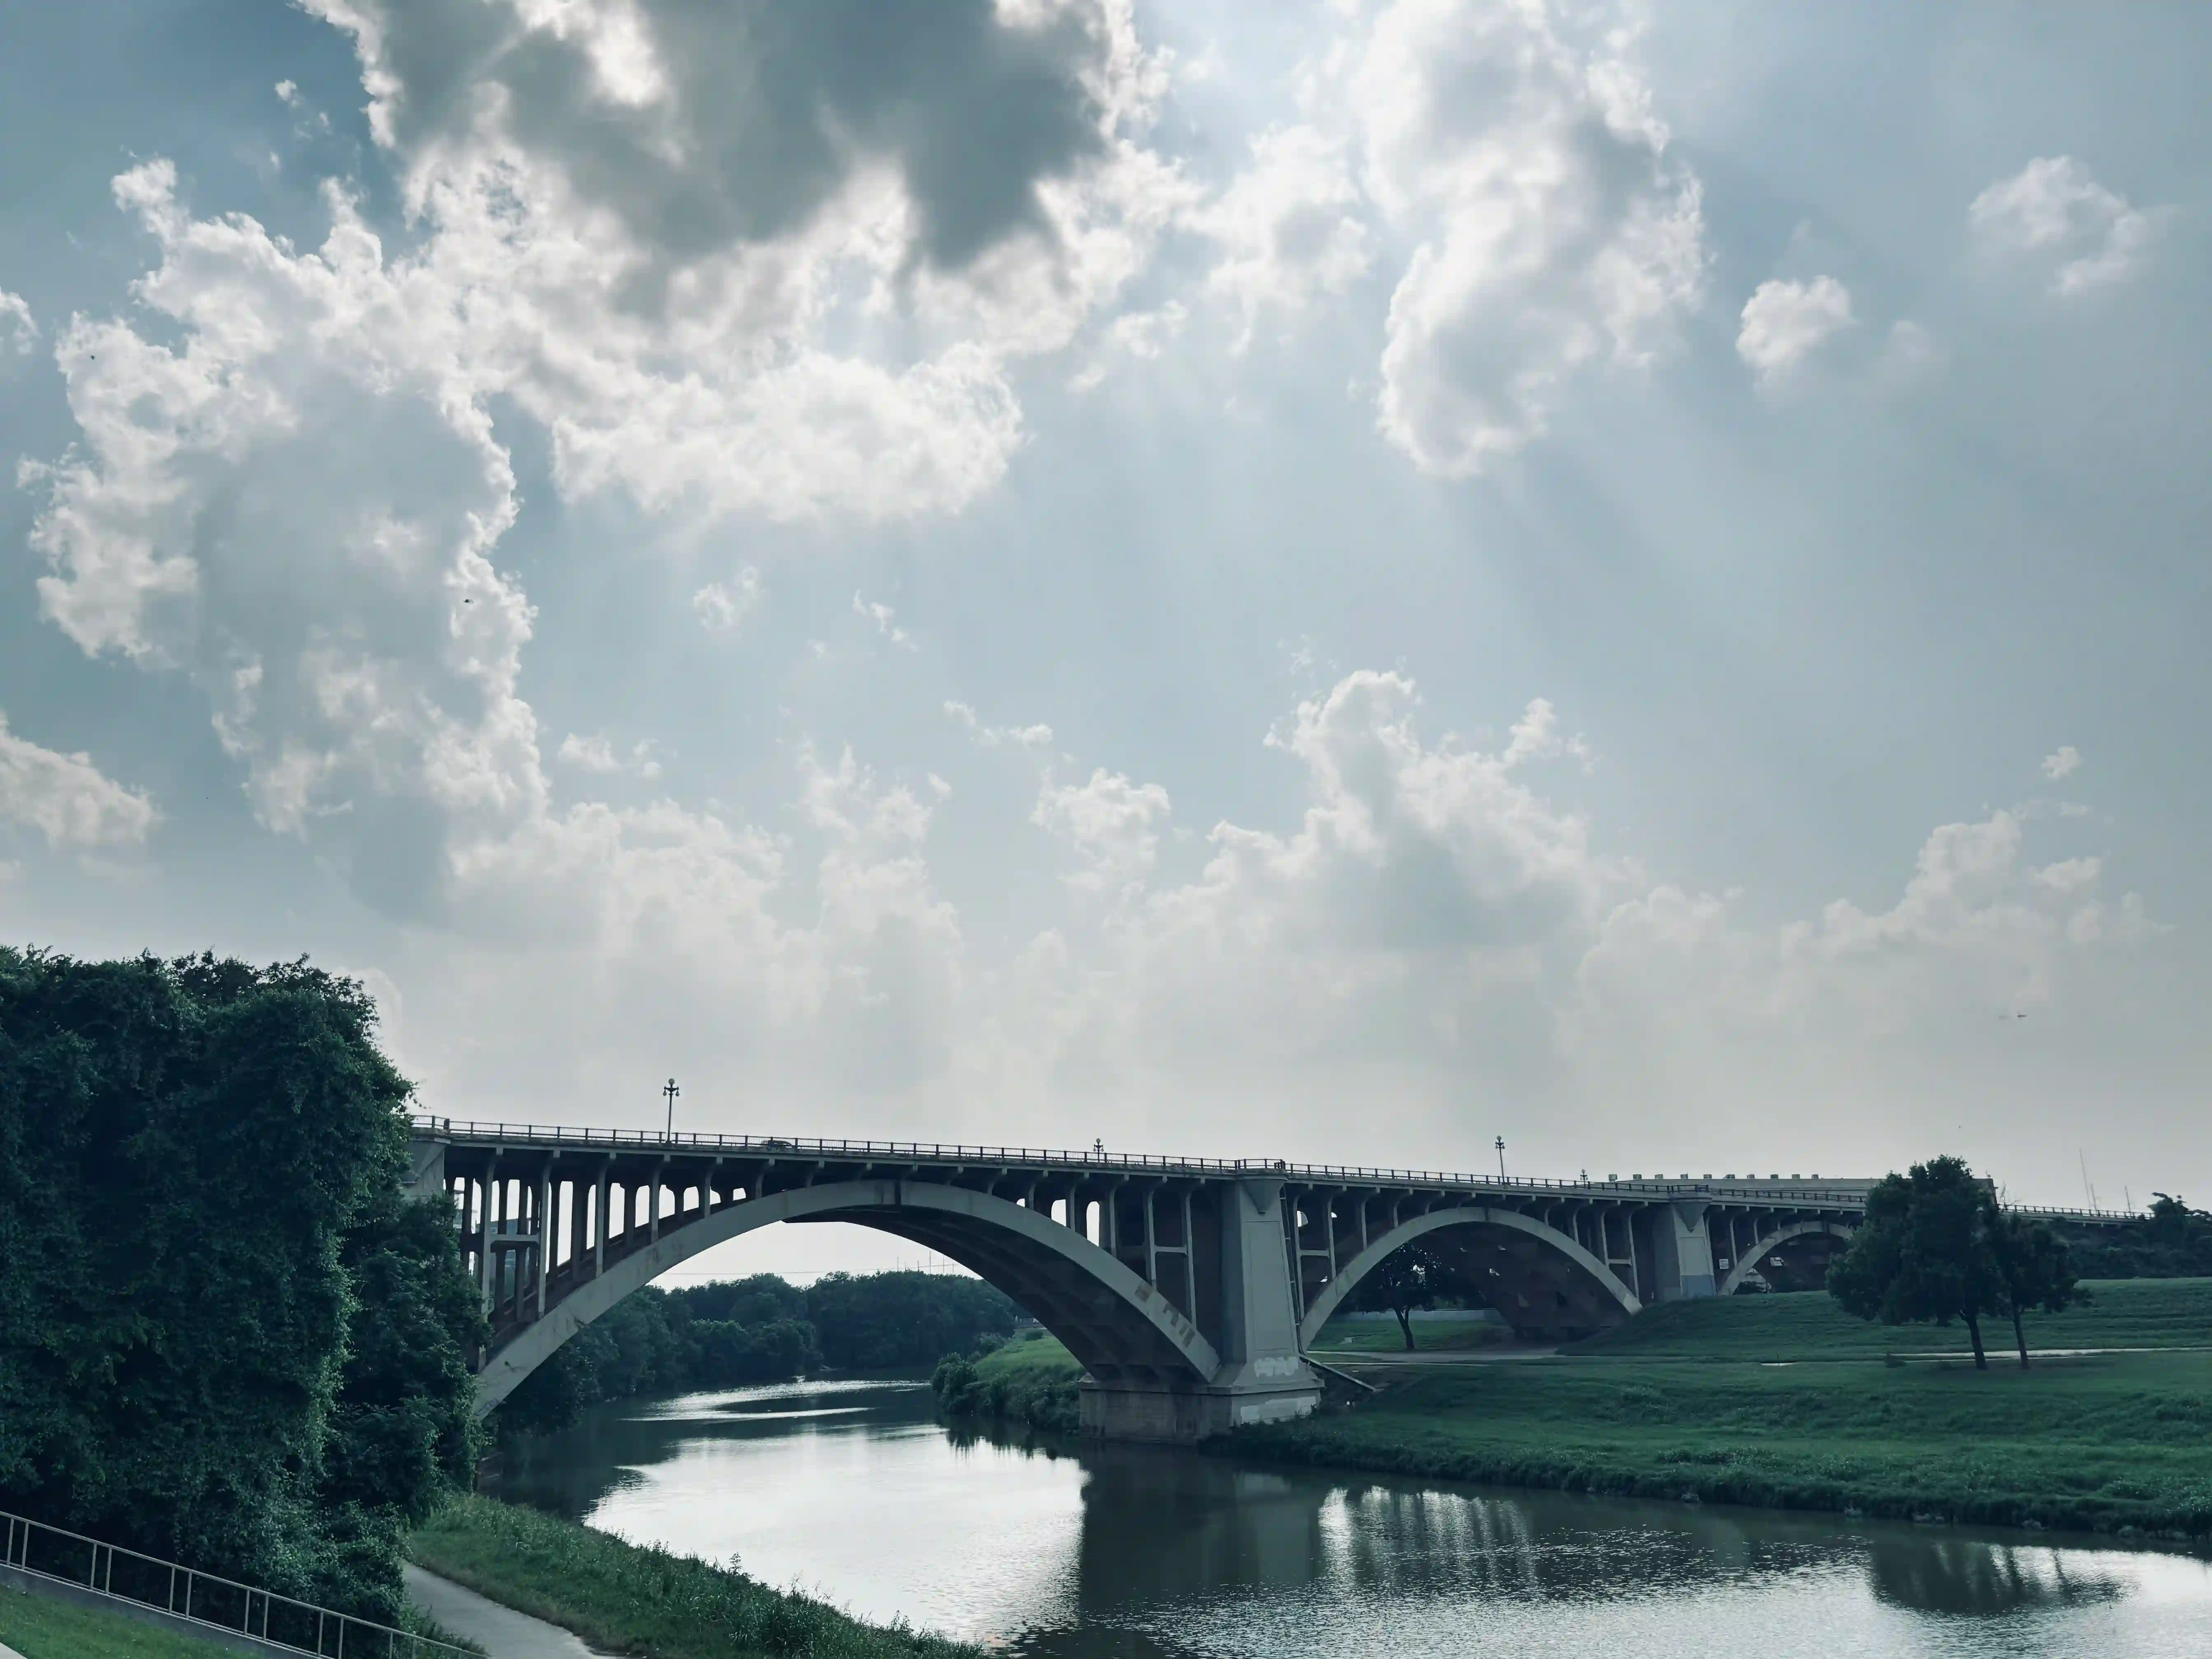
[1190, 1289]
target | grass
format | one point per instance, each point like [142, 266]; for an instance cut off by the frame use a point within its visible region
[1439, 1333]
[643, 1600]
[2123, 1313]
[1031, 1379]
[2108, 1443]
[40, 1627]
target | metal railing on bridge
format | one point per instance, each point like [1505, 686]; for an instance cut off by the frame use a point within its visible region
[41, 1552]
[1794, 1189]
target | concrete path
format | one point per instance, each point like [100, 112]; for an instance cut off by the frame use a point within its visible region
[505, 1633]
[7, 1652]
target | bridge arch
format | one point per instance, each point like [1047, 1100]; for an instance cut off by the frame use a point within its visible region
[1582, 1287]
[1108, 1318]
[1749, 1261]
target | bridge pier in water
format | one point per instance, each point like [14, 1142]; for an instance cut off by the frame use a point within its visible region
[1191, 1289]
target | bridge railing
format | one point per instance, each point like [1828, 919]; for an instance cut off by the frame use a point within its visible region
[559, 1135]
[41, 1552]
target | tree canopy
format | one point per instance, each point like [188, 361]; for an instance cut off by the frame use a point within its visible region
[223, 1336]
[1936, 1246]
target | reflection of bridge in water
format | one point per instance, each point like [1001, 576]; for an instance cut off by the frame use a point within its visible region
[1190, 1289]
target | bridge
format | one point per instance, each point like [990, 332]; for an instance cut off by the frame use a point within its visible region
[1191, 1289]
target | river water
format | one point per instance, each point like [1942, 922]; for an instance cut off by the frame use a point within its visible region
[855, 1492]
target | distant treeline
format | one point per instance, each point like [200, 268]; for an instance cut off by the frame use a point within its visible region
[763, 1329]
[2172, 1241]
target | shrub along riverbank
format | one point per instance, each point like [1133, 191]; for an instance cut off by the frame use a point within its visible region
[1779, 1400]
[644, 1602]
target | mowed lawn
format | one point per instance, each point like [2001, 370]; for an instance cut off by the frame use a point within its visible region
[2122, 1313]
[2107, 1443]
[1437, 1334]
[39, 1628]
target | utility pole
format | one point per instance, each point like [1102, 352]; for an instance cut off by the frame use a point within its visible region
[671, 1091]
[1501, 1158]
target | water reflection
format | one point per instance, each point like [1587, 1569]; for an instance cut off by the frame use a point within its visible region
[1132, 1552]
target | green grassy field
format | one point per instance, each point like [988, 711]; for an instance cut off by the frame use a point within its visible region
[1784, 1401]
[642, 1602]
[2124, 1313]
[2102, 1444]
[1441, 1335]
[40, 1628]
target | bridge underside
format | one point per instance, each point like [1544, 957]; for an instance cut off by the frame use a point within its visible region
[1539, 1291]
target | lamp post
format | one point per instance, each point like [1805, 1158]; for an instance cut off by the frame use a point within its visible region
[671, 1091]
[1501, 1158]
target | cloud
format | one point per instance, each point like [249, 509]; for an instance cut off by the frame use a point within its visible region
[2054, 215]
[1291, 225]
[2063, 763]
[994, 737]
[885, 621]
[767, 268]
[597, 756]
[723, 607]
[67, 798]
[1553, 230]
[1112, 825]
[1784, 323]
[23, 329]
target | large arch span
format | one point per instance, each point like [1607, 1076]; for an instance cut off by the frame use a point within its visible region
[1110, 1319]
[1541, 1280]
[1774, 1241]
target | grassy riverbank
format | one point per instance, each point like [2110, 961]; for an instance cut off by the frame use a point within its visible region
[643, 1601]
[1783, 1401]
[2102, 1443]
[2127, 1312]
[39, 1627]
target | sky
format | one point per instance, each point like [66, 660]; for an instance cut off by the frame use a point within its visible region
[1336, 581]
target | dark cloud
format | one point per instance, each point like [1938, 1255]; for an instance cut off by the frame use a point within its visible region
[766, 108]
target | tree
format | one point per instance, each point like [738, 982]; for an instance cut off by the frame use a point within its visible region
[2034, 1268]
[1924, 1252]
[1410, 1277]
[222, 1337]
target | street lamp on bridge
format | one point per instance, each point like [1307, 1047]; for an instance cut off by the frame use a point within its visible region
[1501, 1158]
[671, 1091]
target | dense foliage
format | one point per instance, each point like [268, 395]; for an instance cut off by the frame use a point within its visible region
[1935, 1246]
[734, 1333]
[223, 1336]
[2172, 1241]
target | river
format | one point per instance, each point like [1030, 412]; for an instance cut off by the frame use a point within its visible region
[854, 1491]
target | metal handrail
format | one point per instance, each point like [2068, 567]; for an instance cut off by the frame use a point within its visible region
[943, 1152]
[1852, 1196]
[335, 1635]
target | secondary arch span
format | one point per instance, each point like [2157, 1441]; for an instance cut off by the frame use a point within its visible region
[1543, 1262]
[1105, 1312]
[1774, 1241]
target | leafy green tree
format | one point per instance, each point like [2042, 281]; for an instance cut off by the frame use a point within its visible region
[2034, 1269]
[1409, 1277]
[222, 1337]
[1924, 1252]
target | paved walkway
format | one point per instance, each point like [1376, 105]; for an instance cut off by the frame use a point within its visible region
[505, 1633]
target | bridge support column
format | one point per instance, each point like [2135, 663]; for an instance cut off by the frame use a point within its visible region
[1263, 1376]
[1682, 1252]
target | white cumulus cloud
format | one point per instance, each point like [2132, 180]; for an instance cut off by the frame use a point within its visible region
[1554, 228]
[2054, 214]
[1291, 226]
[1784, 323]
[67, 798]
[23, 329]
[2062, 762]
